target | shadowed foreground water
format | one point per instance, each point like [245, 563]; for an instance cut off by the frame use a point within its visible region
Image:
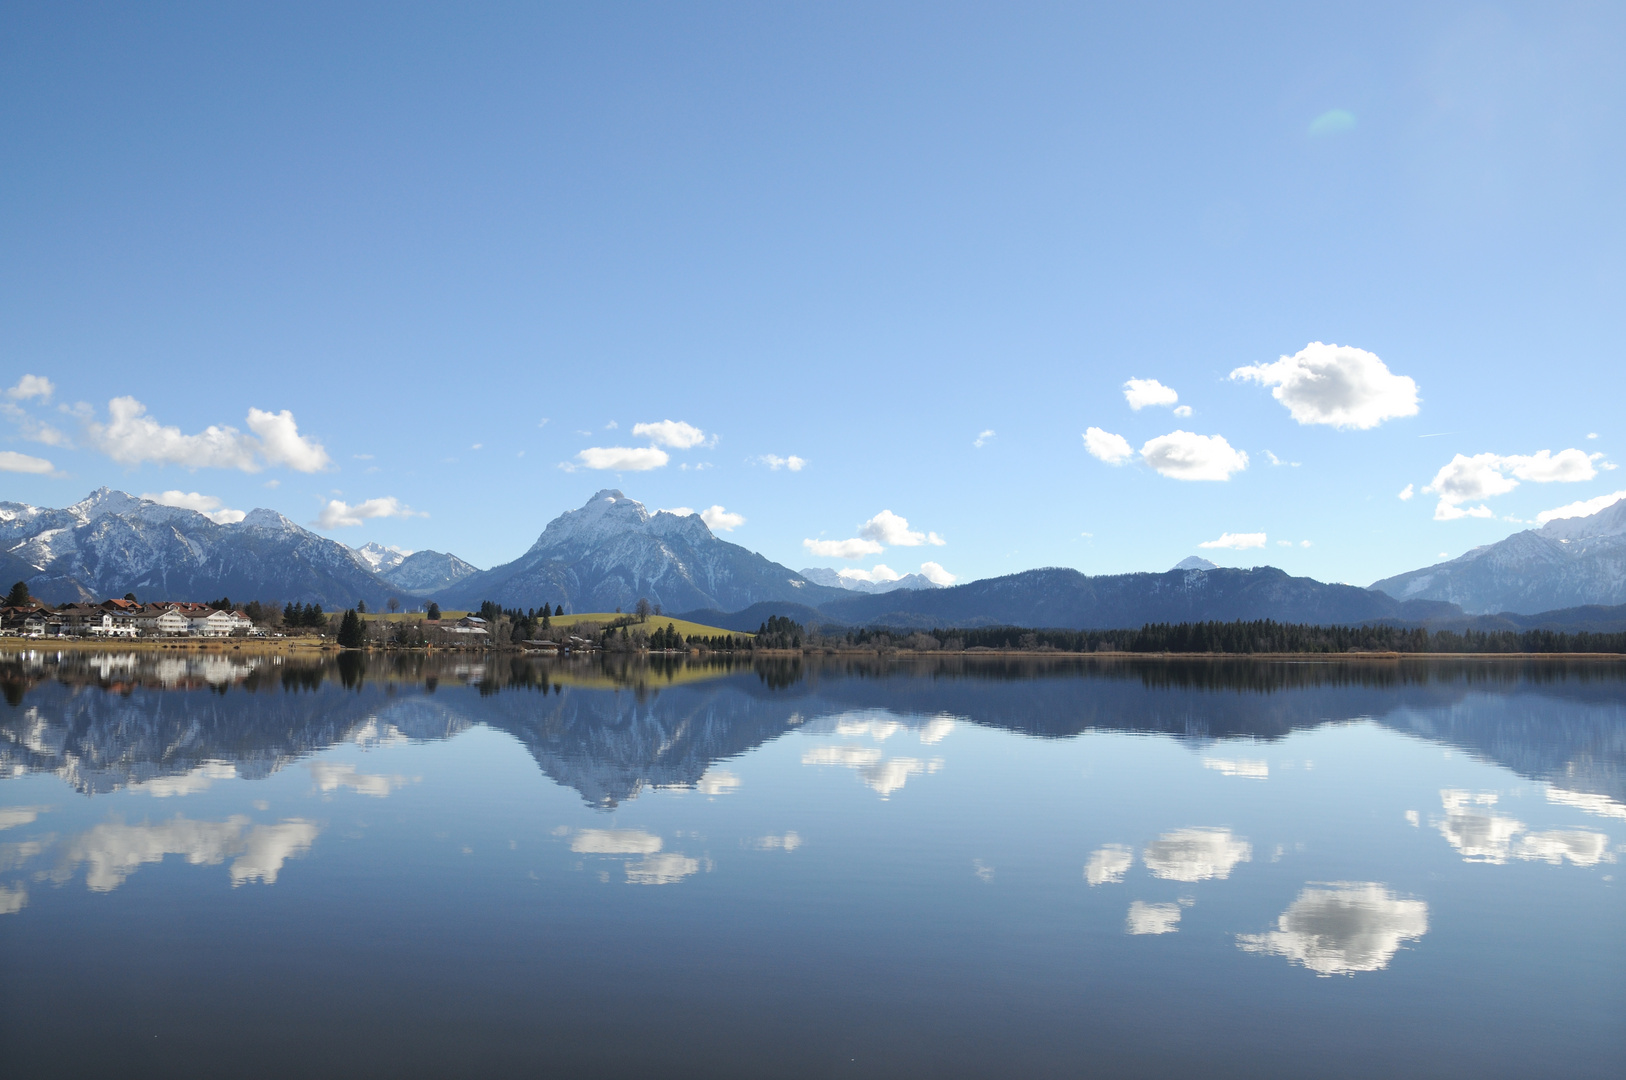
[413, 867]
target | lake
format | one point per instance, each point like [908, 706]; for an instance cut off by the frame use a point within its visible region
[224, 864]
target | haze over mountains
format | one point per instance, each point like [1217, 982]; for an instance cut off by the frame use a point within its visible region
[611, 552]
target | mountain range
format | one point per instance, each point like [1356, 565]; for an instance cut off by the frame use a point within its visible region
[112, 543]
[612, 551]
[1568, 562]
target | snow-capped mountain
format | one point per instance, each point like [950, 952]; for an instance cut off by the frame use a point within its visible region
[114, 543]
[612, 551]
[381, 558]
[1195, 562]
[823, 575]
[417, 572]
[424, 572]
[1568, 562]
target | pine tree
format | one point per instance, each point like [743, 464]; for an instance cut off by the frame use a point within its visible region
[351, 634]
[18, 596]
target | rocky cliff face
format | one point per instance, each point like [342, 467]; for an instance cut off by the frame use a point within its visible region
[611, 552]
[1566, 563]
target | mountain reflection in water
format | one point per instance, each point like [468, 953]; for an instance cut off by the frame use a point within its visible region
[412, 865]
[610, 728]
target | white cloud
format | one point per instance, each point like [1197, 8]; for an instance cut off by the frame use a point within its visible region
[890, 529]
[1592, 434]
[132, 437]
[13, 816]
[1236, 541]
[880, 572]
[331, 776]
[615, 842]
[623, 458]
[11, 461]
[1545, 467]
[113, 851]
[1182, 411]
[1444, 511]
[842, 549]
[1143, 392]
[1482, 476]
[32, 428]
[720, 520]
[1195, 854]
[1108, 865]
[775, 462]
[1147, 918]
[667, 868]
[1306, 543]
[936, 574]
[1341, 386]
[281, 443]
[339, 515]
[1248, 768]
[1407, 492]
[789, 842]
[673, 433]
[1183, 455]
[1342, 928]
[715, 782]
[983, 439]
[1584, 508]
[207, 505]
[680, 511]
[1274, 460]
[1110, 448]
[32, 386]
[611, 426]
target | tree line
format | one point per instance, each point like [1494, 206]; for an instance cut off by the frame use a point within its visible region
[1234, 638]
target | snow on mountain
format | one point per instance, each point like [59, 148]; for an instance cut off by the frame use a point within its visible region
[612, 551]
[823, 575]
[424, 572]
[112, 543]
[1195, 562]
[1569, 562]
[381, 558]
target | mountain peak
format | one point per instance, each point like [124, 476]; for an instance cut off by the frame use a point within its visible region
[1610, 521]
[1195, 562]
[379, 557]
[261, 518]
[104, 500]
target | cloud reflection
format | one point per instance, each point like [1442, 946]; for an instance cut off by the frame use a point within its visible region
[662, 869]
[12, 900]
[881, 774]
[1196, 854]
[1602, 805]
[331, 776]
[1341, 928]
[1108, 865]
[1248, 768]
[789, 842]
[187, 783]
[1147, 918]
[615, 842]
[1485, 837]
[13, 816]
[113, 851]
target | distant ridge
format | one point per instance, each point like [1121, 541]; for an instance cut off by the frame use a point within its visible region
[1568, 562]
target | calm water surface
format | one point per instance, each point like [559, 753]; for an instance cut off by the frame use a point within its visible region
[412, 868]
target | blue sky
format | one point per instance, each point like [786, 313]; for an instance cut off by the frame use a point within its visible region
[918, 249]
